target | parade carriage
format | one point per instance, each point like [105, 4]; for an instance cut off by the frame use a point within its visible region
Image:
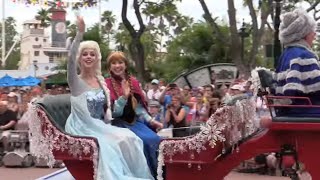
[229, 137]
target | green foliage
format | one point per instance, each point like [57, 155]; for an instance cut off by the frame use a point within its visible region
[108, 20]
[71, 30]
[151, 43]
[93, 34]
[13, 60]
[149, 40]
[43, 16]
[11, 33]
[164, 19]
[122, 37]
[316, 46]
[60, 79]
[193, 48]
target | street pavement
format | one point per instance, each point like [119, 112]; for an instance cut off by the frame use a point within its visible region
[242, 176]
[34, 173]
[24, 173]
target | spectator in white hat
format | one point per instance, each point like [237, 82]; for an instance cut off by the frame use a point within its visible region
[154, 93]
[237, 89]
[237, 94]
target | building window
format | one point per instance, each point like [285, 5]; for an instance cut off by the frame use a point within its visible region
[46, 68]
[44, 40]
[36, 39]
[36, 53]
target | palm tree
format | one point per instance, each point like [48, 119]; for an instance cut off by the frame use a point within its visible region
[44, 17]
[122, 37]
[71, 29]
[108, 19]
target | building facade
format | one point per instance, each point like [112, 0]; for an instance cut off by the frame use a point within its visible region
[40, 54]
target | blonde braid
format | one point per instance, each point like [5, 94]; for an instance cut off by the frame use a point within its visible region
[108, 113]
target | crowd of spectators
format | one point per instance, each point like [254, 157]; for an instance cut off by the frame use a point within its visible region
[14, 105]
[182, 107]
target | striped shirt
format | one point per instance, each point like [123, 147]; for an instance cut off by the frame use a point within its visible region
[298, 74]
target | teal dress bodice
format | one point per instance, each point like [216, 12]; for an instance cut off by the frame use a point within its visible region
[96, 101]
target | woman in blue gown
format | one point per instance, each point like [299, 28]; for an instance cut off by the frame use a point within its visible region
[129, 107]
[120, 151]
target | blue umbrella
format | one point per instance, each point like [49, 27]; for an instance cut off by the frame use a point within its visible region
[28, 81]
[32, 81]
[6, 81]
[6, 78]
[19, 82]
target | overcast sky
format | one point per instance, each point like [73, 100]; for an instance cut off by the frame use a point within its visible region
[192, 8]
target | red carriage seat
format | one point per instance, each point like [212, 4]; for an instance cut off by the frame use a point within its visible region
[50, 141]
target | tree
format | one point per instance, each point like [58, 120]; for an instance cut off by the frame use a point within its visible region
[191, 49]
[108, 19]
[13, 59]
[122, 37]
[259, 17]
[257, 30]
[149, 41]
[71, 30]
[136, 48]
[265, 9]
[43, 16]
[11, 33]
[211, 21]
[165, 20]
[313, 6]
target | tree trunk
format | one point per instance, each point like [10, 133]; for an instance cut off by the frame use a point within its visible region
[257, 32]
[137, 53]
[235, 40]
[208, 17]
[136, 48]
